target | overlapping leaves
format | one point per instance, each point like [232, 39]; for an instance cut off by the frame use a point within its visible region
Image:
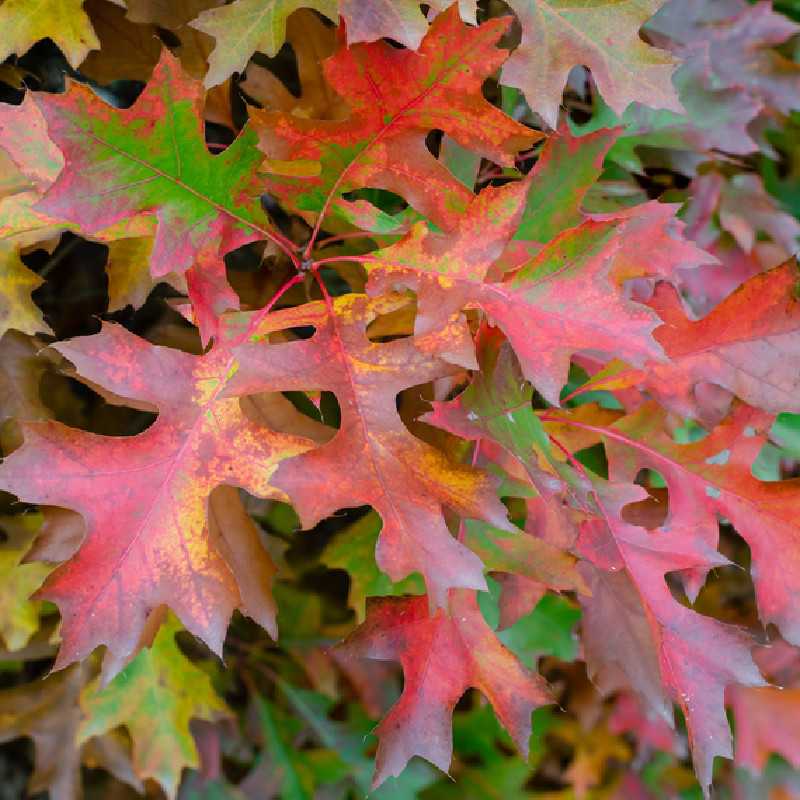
[522, 270]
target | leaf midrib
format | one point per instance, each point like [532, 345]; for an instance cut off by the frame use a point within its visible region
[175, 181]
[545, 8]
[379, 135]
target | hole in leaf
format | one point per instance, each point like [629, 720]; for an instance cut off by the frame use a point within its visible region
[433, 141]
[283, 65]
[304, 404]
[292, 413]
[397, 324]
[651, 512]
[168, 37]
[728, 593]
[386, 201]
[218, 137]
[594, 458]
[74, 292]
[75, 404]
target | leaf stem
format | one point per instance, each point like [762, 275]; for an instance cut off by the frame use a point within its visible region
[589, 386]
[351, 235]
[287, 245]
[335, 259]
[259, 317]
[322, 287]
[620, 437]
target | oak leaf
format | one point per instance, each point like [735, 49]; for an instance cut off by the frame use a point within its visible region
[618, 640]
[401, 20]
[142, 47]
[154, 697]
[374, 456]
[567, 168]
[159, 552]
[711, 478]
[312, 42]
[38, 162]
[35, 155]
[558, 35]
[396, 97]
[565, 298]
[63, 21]
[746, 211]
[745, 345]
[496, 408]
[698, 656]
[441, 657]
[151, 160]
[245, 26]
[524, 555]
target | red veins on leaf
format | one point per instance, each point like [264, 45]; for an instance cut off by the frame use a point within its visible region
[442, 655]
[144, 497]
[495, 346]
[395, 97]
[376, 459]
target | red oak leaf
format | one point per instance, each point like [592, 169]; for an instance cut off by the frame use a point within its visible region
[209, 292]
[401, 20]
[618, 640]
[567, 167]
[713, 477]
[565, 299]
[698, 656]
[152, 159]
[396, 97]
[374, 457]
[144, 498]
[746, 345]
[496, 408]
[442, 656]
[558, 35]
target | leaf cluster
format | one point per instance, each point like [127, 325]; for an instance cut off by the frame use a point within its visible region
[342, 335]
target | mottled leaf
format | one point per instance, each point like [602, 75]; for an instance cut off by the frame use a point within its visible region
[564, 299]
[441, 656]
[600, 34]
[395, 98]
[146, 543]
[154, 697]
[151, 159]
[375, 458]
